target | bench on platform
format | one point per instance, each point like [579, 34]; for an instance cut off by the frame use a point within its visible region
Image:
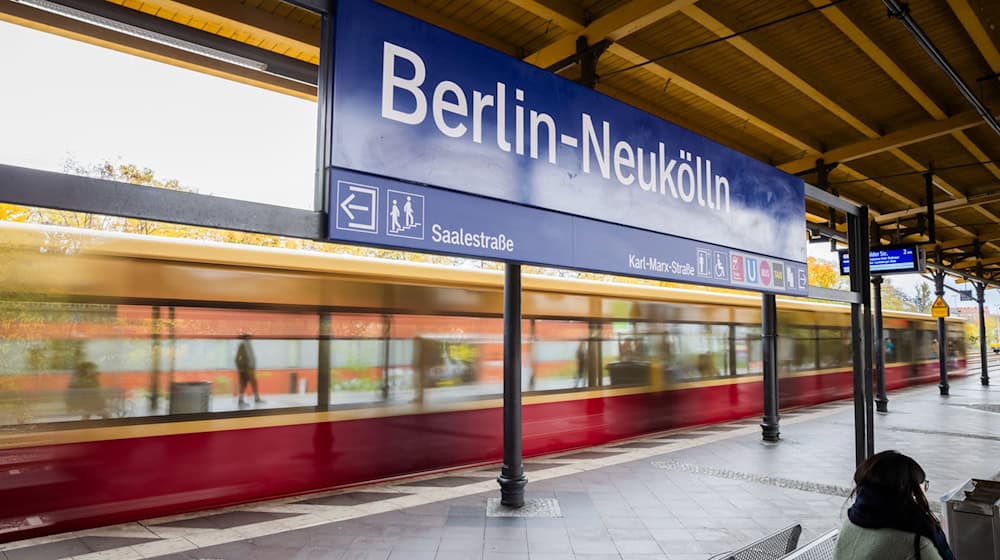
[820, 548]
[771, 547]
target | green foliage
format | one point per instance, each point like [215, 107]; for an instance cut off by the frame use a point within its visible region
[923, 298]
[894, 299]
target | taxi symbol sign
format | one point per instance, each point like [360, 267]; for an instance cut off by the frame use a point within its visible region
[939, 309]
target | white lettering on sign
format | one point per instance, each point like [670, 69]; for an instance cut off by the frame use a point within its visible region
[688, 178]
[479, 240]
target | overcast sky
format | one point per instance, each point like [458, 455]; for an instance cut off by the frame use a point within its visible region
[90, 104]
[77, 101]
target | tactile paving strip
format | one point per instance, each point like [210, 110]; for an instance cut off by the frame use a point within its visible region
[807, 486]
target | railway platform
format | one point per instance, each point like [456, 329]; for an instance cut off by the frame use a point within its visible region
[688, 494]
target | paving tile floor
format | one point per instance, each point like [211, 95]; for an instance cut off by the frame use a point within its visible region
[687, 496]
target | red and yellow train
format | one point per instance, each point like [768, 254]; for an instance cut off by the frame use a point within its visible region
[118, 385]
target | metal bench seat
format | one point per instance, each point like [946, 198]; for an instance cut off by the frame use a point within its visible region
[771, 547]
[820, 548]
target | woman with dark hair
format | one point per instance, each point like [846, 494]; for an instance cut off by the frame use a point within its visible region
[890, 518]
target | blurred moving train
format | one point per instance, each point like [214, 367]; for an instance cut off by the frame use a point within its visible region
[118, 384]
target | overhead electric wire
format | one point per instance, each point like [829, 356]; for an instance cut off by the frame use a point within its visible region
[906, 173]
[724, 39]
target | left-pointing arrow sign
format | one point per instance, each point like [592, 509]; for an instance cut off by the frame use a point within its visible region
[360, 207]
[346, 205]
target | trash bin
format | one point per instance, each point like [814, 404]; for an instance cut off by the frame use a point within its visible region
[190, 397]
[629, 373]
[972, 520]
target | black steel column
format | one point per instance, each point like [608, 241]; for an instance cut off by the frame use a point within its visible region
[769, 339]
[881, 400]
[942, 334]
[929, 196]
[512, 480]
[323, 361]
[859, 254]
[866, 303]
[324, 115]
[981, 298]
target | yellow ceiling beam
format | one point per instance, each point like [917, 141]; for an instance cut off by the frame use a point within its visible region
[976, 262]
[713, 98]
[620, 23]
[762, 58]
[882, 59]
[948, 188]
[977, 152]
[255, 24]
[564, 13]
[974, 27]
[765, 60]
[966, 241]
[864, 148]
[839, 19]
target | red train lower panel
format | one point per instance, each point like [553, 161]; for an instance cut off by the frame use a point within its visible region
[66, 487]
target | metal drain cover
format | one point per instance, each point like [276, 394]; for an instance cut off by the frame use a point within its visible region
[534, 507]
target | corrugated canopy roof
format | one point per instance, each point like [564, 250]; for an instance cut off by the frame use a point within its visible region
[788, 82]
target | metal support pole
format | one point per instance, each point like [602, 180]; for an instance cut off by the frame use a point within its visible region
[858, 250]
[769, 338]
[512, 480]
[860, 426]
[881, 400]
[866, 303]
[981, 299]
[929, 196]
[323, 361]
[942, 341]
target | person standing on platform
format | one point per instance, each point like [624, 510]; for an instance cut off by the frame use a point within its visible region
[246, 366]
[890, 518]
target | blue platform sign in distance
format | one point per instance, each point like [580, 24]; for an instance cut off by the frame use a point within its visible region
[887, 260]
[419, 104]
[379, 211]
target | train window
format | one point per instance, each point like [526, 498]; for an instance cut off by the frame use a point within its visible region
[796, 349]
[700, 351]
[897, 345]
[560, 355]
[450, 358]
[834, 347]
[927, 348]
[956, 346]
[749, 357]
[75, 361]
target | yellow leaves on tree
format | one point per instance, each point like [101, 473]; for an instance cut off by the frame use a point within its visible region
[825, 275]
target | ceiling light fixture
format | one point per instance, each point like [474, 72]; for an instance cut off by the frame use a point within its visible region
[141, 33]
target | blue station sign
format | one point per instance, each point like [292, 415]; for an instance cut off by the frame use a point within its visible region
[496, 158]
